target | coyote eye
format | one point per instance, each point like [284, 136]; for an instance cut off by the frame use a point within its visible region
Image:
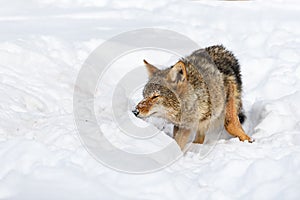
[154, 96]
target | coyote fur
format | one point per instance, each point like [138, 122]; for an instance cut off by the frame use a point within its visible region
[199, 91]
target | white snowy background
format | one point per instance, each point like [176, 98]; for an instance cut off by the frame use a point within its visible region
[42, 47]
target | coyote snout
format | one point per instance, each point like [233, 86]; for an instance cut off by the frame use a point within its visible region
[136, 112]
[198, 91]
[144, 108]
[149, 106]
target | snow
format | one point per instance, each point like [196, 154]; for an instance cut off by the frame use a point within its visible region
[43, 45]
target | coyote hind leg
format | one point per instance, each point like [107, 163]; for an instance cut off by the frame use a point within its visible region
[232, 123]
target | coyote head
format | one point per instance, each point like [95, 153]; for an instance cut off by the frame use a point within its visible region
[162, 93]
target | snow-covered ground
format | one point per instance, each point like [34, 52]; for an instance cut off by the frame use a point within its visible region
[42, 47]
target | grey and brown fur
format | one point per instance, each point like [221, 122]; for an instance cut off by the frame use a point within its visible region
[199, 91]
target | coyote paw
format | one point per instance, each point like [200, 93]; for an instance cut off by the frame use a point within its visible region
[251, 140]
[246, 138]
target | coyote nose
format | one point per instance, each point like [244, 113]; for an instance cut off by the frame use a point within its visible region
[135, 112]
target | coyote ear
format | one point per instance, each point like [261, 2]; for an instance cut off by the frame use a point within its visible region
[150, 68]
[178, 72]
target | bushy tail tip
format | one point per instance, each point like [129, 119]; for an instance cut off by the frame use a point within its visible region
[242, 117]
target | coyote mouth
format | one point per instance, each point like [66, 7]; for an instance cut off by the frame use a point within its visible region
[152, 114]
[145, 116]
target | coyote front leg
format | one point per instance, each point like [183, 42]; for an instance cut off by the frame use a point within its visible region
[200, 134]
[181, 136]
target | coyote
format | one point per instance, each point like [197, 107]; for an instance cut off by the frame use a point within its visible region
[199, 91]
